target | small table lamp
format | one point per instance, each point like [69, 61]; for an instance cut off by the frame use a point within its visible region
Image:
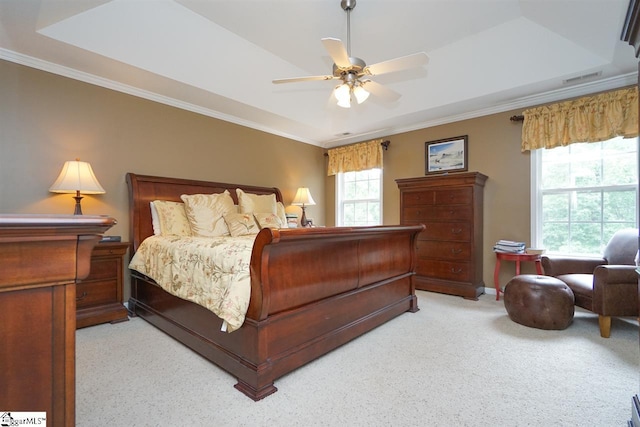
[77, 177]
[303, 197]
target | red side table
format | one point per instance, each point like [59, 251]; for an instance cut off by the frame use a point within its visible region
[518, 258]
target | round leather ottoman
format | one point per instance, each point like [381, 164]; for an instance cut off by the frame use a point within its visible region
[541, 302]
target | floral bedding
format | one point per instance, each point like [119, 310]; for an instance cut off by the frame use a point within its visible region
[210, 271]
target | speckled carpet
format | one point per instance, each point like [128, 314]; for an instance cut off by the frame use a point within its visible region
[454, 363]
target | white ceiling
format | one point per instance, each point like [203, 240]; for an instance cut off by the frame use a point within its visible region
[218, 58]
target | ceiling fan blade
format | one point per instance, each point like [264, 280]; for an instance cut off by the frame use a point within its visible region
[337, 51]
[303, 79]
[398, 64]
[381, 91]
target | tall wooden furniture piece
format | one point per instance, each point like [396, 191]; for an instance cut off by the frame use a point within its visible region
[41, 258]
[450, 248]
[99, 296]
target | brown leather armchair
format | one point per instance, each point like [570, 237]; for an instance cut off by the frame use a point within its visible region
[607, 286]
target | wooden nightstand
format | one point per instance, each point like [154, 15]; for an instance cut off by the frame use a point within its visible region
[99, 296]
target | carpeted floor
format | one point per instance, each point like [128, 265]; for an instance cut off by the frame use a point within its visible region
[454, 363]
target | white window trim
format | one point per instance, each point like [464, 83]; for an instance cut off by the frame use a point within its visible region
[536, 212]
[338, 203]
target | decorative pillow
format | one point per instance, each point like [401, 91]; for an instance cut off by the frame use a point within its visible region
[249, 203]
[241, 224]
[155, 222]
[282, 215]
[206, 212]
[268, 220]
[172, 218]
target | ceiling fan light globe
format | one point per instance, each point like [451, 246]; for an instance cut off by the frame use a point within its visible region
[344, 103]
[343, 95]
[361, 94]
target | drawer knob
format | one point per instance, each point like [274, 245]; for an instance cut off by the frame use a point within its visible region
[81, 297]
[456, 230]
[456, 251]
[456, 270]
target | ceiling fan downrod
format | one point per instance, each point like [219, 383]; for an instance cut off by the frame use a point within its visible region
[348, 6]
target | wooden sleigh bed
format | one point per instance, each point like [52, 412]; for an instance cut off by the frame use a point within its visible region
[312, 289]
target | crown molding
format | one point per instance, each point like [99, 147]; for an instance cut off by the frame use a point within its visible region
[524, 102]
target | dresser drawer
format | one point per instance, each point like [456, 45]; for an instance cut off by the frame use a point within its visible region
[458, 196]
[453, 251]
[449, 231]
[93, 293]
[453, 212]
[417, 198]
[103, 268]
[448, 270]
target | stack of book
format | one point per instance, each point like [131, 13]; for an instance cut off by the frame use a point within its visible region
[509, 246]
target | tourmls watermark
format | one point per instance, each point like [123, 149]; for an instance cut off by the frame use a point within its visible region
[8, 419]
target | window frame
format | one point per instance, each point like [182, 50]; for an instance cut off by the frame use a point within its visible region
[536, 196]
[340, 202]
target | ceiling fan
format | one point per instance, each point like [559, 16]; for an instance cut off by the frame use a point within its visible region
[354, 71]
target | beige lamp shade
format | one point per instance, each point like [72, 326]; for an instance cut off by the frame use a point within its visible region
[77, 177]
[303, 197]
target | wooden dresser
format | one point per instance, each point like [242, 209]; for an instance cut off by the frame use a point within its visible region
[450, 249]
[99, 296]
[41, 258]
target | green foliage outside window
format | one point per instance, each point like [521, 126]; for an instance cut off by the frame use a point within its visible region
[360, 198]
[589, 191]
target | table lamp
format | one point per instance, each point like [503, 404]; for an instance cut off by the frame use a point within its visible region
[302, 198]
[77, 177]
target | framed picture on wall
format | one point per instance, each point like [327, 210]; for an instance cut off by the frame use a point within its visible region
[446, 155]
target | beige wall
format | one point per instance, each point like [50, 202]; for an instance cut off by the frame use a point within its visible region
[46, 119]
[494, 150]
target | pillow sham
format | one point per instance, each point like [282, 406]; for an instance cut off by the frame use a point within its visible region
[206, 212]
[280, 212]
[268, 220]
[155, 222]
[263, 204]
[249, 203]
[172, 218]
[241, 224]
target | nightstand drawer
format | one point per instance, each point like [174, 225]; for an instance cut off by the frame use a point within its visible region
[103, 269]
[92, 293]
[99, 296]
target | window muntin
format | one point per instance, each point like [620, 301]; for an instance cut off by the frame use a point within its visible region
[359, 198]
[582, 194]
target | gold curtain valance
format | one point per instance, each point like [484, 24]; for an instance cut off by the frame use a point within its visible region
[356, 157]
[588, 119]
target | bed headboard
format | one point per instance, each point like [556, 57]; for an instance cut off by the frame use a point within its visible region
[144, 189]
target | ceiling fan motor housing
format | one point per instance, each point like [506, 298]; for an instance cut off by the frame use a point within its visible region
[356, 68]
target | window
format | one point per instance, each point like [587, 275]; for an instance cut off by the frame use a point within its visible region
[582, 193]
[359, 198]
